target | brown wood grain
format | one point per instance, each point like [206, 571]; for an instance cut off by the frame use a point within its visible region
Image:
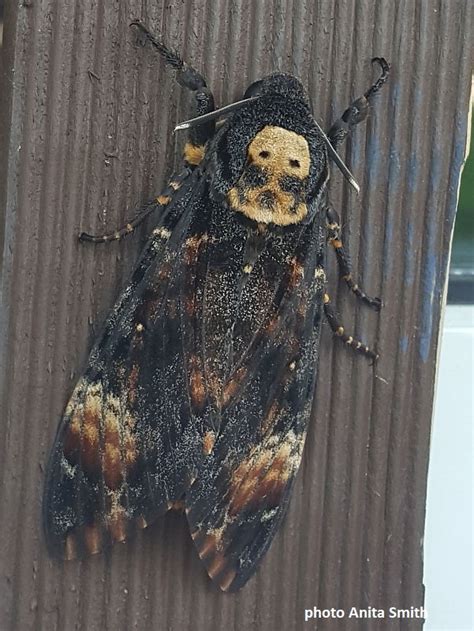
[86, 136]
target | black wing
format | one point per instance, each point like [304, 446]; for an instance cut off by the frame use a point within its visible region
[259, 338]
[199, 387]
[128, 443]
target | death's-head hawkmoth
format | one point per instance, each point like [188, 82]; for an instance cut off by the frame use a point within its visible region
[199, 388]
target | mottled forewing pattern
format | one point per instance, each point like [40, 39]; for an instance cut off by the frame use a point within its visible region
[199, 388]
[126, 447]
[261, 369]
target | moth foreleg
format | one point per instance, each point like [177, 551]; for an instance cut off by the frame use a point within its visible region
[189, 78]
[334, 238]
[358, 109]
[194, 149]
[159, 203]
[339, 331]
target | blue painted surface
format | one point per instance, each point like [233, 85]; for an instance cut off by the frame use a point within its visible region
[395, 94]
[414, 162]
[436, 169]
[413, 172]
[428, 305]
[404, 343]
[457, 162]
[392, 174]
[394, 185]
[410, 263]
[430, 275]
[435, 266]
[453, 185]
[374, 151]
[356, 151]
[388, 258]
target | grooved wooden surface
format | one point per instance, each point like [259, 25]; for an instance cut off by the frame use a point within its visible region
[86, 135]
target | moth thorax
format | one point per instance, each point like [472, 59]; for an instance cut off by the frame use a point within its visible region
[273, 185]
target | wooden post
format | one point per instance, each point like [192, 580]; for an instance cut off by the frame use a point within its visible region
[86, 136]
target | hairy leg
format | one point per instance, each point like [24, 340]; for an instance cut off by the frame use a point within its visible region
[359, 109]
[343, 259]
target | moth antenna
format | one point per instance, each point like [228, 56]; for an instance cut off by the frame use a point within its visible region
[227, 109]
[338, 160]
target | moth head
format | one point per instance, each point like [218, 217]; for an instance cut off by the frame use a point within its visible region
[269, 161]
[279, 84]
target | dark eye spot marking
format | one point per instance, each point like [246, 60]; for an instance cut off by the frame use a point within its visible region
[254, 176]
[267, 199]
[295, 164]
[292, 184]
[264, 154]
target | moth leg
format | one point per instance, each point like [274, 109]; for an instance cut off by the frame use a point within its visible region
[159, 203]
[334, 237]
[195, 147]
[338, 330]
[193, 80]
[358, 109]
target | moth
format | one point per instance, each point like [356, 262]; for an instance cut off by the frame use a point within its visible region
[198, 391]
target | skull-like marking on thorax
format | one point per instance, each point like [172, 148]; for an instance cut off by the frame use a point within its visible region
[273, 184]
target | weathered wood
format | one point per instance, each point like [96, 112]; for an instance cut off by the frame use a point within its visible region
[86, 124]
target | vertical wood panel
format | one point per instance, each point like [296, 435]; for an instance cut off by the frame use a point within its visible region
[81, 151]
